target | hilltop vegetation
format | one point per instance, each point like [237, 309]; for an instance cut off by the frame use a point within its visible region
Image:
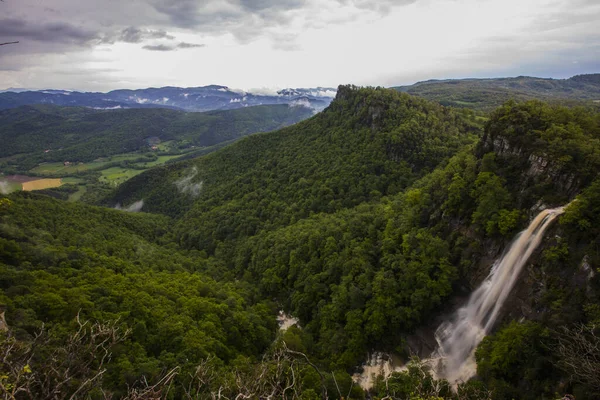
[487, 94]
[361, 221]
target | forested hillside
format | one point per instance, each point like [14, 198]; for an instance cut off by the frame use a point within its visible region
[85, 134]
[363, 222]
[367, 144]
[487, 94]
[61, 260]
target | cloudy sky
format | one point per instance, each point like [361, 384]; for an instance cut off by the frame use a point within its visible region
[109, 44]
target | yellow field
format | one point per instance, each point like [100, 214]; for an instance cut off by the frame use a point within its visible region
[42, 184]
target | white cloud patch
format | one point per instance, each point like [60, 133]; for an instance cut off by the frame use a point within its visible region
[135, 207]
[4, 187]
[265, 91]
[186, 186]
[236, 91]
[324, 93]
[107, 108]
[303, 102]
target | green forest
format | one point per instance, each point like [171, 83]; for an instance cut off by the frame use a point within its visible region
[368, 222]
[93, 151]
[83, 134]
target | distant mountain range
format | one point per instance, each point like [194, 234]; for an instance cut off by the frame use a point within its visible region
[477, 94]
[205, 98]
[487, 94]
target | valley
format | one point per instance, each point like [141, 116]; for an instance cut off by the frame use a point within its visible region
[368, 222]
[300, 200]
[94, 157]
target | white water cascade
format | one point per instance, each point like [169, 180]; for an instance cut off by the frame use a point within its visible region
[457, 339]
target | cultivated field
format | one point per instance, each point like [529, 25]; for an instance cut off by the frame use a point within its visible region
[40, 184]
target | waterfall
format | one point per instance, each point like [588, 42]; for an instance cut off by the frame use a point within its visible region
[458, 338]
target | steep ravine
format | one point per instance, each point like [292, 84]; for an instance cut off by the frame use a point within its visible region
[532, 297]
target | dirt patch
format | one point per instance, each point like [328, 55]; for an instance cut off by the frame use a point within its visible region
[42, 184]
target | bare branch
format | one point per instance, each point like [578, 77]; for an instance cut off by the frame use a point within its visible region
[579, 350]
[324, 387]
[45, 369]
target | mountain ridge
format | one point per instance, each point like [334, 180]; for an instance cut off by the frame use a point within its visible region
[488, 93]
[203, 98]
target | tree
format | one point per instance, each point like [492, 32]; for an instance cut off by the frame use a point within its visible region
[578, 348]
[40, 370]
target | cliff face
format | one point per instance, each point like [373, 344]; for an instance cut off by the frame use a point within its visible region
[544, 294]
[532, 157]
[536, 168]
[546, 162]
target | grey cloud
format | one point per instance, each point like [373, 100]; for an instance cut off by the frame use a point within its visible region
[286, 42]
[261, 5]
[182, 13]
[566, 19]
[10, 68]
[190, 14]
[158, 47]
[577, 3]
[245, 19]
[184, 45]
[137, 21]
[56, 32]
[215, 15]
[137, 35]
[165, 47]
[379, 6]
[271, 12]
[65, 33]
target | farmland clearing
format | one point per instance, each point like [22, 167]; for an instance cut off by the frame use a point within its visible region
[40, 184]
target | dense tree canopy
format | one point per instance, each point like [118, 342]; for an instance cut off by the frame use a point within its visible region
[361, 221]
[80, 134]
